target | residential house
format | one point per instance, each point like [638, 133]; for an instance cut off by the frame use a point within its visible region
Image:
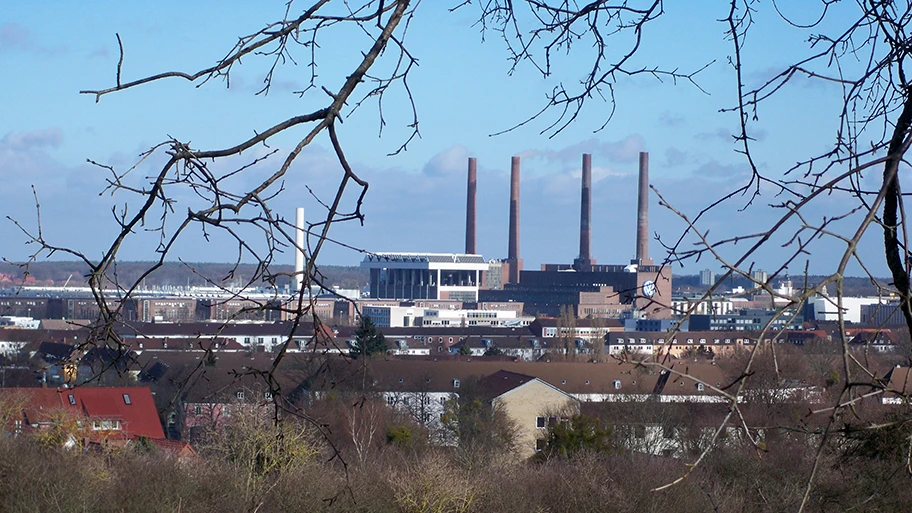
[531, 404]
[101, 414]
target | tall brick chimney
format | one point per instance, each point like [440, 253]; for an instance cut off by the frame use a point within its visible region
[513, 260]
[470, 208]
[642, 240]
[585, 261]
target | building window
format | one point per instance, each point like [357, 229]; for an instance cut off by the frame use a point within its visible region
[540, 444]
[390, 400]
[267, 396]
[126, 398]
[540, 422]
[617, 384]
[105, 425]
[240, 395]
[72, 399]
[197, 410]
[699, 387]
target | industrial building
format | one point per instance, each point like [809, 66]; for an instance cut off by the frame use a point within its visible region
[425, 275]
[640, 288]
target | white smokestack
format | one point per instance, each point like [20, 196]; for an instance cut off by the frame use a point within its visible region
[299, 249]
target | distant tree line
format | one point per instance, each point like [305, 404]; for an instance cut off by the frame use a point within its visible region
[179, 274]
[348, 277]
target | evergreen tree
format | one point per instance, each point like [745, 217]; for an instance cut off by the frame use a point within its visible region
[368, 341]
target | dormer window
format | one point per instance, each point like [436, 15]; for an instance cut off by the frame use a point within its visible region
[106, 425]
[240, 395]
[456, 383]
[72, 399]
[126, 398]
[699, 387]
[617, 384]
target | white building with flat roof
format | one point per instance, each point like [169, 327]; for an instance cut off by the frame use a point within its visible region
[827, 308]
[425, 275]
[506, 318]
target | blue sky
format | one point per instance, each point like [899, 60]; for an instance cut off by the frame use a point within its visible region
[463, 93]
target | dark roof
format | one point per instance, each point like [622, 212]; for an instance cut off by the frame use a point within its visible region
[217, 377]
[18, 377]
[154, 372]
[571, 377]
[182, 344]
[214, 329]
[53, 351]
[39, 335]
[552, 322]
[458, 331]
[502, 382]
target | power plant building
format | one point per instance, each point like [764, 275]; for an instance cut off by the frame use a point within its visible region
[590, 289]
[640, 288]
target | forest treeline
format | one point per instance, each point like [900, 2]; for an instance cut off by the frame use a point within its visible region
[175, 274]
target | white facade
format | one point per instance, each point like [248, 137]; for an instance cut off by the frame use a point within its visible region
[20, 322]
[435, 317]
[409, 276]
[393, 316]
[425, 408]
[826, 308]
[403, 349]
[702, 306]
[588, 333]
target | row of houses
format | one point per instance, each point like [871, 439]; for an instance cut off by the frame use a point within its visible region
[541, 337]
[202, 392]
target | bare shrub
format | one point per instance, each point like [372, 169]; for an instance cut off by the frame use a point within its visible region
[433, 485]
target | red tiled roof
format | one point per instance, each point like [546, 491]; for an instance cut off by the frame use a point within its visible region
[140, 417]
[132, 406]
